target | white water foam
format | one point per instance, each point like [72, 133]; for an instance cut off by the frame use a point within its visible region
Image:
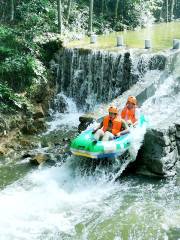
[50, 202]
[69, 119]
[137, 137]
[163, 108]
[55, 203]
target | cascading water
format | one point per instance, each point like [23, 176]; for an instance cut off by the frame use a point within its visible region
[163, 107]
[69, 118]
[79, 199]
[94, 77]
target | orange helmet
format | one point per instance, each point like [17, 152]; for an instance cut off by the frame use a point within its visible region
[132, 99]
[113, 110]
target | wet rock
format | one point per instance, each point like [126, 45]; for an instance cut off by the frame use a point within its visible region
[145, 94]
[39, 158]
[177, 126]
[85, 120]
[45, 143]
[3, 126]
[158, 62]
[178, 173]
[60, 105]
[3, 151]
[142, 170]
[26, 155]
[34, 126]
[25, 142]
[38, 113]
[159, 152]
[88, 118]
[40, 124]
[177, 130]
[28, 127]
[66, 140]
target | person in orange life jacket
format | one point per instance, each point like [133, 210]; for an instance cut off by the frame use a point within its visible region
[129, 111]
[111, 126]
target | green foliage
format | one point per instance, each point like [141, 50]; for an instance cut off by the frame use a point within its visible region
[5, 52]
[18, 71]
[19, 65]
[37, 15]
[77, 25]
[11, 43]
[10, 101]
[9, 38]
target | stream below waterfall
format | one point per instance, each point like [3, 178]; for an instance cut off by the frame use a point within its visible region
[77, 199]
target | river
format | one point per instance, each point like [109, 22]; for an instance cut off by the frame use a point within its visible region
[77, 200]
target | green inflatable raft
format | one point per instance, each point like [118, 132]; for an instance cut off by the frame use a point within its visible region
[83, 145]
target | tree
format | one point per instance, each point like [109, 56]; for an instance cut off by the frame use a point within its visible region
[59, 9]
[102, 7]
[116, 9]
[172, 10]
[12, 10]
[69, 9]
[167, 10]
[90, 16]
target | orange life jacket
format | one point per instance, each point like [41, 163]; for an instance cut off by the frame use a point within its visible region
[129, 114]
[116, 125]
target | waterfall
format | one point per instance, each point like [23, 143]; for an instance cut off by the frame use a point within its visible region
[64, 113]
[92, 77]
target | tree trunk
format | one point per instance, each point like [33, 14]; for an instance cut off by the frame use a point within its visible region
[69, 9]
[2, 12]
[102, 7]
[105, 7]
[167, 11]
[59, 9]
[116, 9]
[172, 10]
[12, 10]
[90, 16]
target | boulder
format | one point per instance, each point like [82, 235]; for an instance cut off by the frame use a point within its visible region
[32, 126]
[28, 127]
[3, 126]
[38, 113]
[159, 152]
[3, 151]
[87, 119]
[60, 105]
[39, 158]
[178, 136]
[25, 142]
[40, 124]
